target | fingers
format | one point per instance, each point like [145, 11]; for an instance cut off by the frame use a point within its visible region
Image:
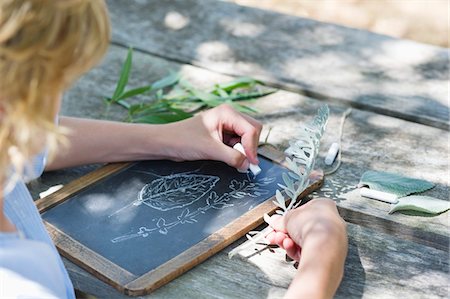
[286, 243]
[276, 222]
[229, 155]
[292, 249]
[276, 238]
[227, 127]
[244, 126]
[281, 237]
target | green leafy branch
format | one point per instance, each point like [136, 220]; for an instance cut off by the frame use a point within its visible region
[173, 98]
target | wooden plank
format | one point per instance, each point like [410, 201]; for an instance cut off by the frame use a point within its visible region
[369, 71]
[377, 265]
[427, 238]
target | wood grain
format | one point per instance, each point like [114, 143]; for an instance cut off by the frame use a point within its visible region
[368, 71]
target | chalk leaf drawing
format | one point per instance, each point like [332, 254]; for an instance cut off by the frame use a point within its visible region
[237, 190]
[176, 190]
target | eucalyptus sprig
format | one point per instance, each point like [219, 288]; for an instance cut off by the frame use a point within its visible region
[303, 152]
[173, 98]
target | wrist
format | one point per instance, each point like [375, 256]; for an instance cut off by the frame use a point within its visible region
[311, 283]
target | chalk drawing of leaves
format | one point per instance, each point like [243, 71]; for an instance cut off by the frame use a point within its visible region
[236, 185]
[161, 225]
[212, 198]
[216, 202]
[254, 189]
[176, 191]
[144, 232]
[239, 194]
[194, 187]
[186, 217]
[221, 205]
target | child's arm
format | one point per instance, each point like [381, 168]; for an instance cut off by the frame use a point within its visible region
[316, 235]
[208, 135]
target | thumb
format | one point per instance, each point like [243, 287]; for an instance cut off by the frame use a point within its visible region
[232, 157]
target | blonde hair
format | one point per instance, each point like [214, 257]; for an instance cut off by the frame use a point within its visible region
[44, 46]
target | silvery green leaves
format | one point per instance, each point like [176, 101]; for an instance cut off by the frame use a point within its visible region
[401, 186]
[393, 183]
[303, 151]
[424, 204]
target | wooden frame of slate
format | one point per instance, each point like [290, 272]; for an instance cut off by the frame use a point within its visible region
[126, 280]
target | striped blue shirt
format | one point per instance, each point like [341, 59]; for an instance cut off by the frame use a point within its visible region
[30, 266]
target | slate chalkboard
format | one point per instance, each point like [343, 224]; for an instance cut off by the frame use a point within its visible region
[152, 211]
[148, 222]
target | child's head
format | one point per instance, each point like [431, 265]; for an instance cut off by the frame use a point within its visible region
[44, 46]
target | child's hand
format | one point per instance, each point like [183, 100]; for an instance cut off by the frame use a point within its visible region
[280, 237]
[317, 216]
[317, 233]
[211, 135]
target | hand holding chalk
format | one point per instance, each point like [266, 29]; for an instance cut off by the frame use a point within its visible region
[255, 169]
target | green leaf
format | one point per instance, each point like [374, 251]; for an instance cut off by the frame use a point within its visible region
[136, 108]
[204, 96]
[167, 81]
[220, 92]
[238, 83]
[242, 108]
[150, 108]
[425, 204]
[133, 92]
[394, 183]
[159, 94]
[250, 95]
[162, 117]
[124, 74]
[124, 104]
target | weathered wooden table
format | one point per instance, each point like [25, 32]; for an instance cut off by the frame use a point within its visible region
[400, 123]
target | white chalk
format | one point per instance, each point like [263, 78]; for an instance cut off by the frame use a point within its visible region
[50, 190]
[383, 196]
[255, 169]
[332, 152]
